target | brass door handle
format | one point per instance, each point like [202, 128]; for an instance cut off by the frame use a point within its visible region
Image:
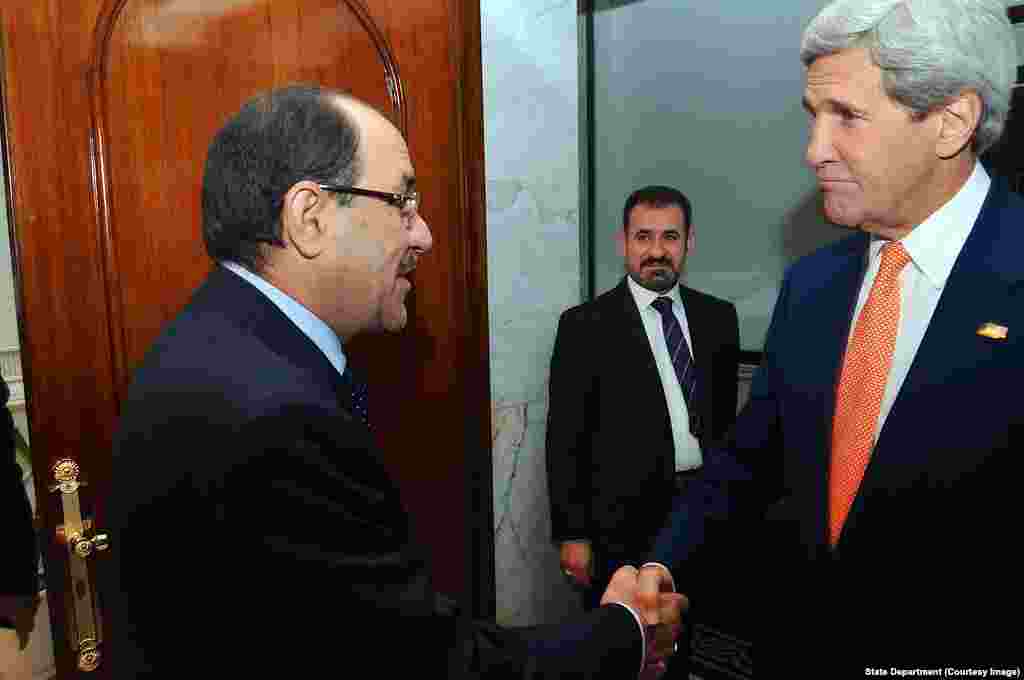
[83, 547]
[85, 626]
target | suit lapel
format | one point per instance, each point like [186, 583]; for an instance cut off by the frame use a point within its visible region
[980, 288]
[831, 313]
[698, 326]
[825, 309]
[634, 337]
[255, 313]
[701, 330]
[635, 348]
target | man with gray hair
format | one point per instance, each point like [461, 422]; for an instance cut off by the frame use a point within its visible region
[878, 443]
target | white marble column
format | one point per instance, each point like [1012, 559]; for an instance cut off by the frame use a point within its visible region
[531, 91]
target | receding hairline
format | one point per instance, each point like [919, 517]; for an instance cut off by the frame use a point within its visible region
[362, 116]
[358, 111]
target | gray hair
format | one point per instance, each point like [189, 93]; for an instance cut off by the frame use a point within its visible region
[929, 51]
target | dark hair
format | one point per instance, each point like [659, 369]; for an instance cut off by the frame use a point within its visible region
[278, 138]
[658, 197]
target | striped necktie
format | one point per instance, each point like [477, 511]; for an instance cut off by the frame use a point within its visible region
[682, 362]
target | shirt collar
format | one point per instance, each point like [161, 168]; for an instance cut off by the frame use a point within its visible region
[311, 325]
[645, 297]
[934, 244]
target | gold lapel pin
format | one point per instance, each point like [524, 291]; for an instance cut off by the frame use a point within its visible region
[993, 331]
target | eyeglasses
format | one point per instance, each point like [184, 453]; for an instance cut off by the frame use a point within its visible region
[408, 202]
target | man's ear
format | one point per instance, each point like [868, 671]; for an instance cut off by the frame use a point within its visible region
[691, 239]
[620, 242]
[303, 226]
[959, 120]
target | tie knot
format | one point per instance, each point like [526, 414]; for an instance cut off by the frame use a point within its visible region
[894, 258]
[662, 304]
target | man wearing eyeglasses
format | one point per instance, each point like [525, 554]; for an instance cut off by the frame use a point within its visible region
[258, 530]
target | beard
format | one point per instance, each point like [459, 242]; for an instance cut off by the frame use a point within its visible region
[659, 279]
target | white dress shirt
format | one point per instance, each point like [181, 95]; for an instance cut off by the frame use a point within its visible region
[933, 247]
[687, 448]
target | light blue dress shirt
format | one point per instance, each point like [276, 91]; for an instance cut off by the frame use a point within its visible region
[308, 322]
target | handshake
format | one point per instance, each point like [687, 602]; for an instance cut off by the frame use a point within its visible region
[648, 592]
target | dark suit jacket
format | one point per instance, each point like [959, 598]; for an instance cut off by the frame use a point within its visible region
[258, 532]
[20, 561]
[920, 574]
[610, 452]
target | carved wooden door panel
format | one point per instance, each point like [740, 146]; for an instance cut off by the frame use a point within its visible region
[108, 107]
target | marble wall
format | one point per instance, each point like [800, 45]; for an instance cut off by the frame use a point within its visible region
[531, 125]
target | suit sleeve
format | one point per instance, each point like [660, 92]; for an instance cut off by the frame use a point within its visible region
[602, 644]
[328, 514]
[733, 481]
[571, 393]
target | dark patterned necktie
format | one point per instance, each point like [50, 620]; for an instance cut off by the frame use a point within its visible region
[358, 393]
[679, 351]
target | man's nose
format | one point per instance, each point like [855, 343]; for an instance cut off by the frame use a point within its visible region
[819, 145]
[422, 239]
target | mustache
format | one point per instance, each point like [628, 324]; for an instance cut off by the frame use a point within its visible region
[657, 261]
[408, 264]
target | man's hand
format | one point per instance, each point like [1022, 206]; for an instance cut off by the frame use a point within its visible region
[664, 607]
[662, 638]
[21, 609]
[654, 579]
[649, 592]
[577, 562]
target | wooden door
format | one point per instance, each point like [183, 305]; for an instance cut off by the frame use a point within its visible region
[108, 107]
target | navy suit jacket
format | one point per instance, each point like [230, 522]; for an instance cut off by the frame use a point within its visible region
[256, 530]
[921, 573]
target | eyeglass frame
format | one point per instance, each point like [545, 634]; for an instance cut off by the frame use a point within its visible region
[399, 201]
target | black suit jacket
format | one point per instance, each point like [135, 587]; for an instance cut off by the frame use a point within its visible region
[258, 532]
[20, 561]
[610, 451]
[918, 579]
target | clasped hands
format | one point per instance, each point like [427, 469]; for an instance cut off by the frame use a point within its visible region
[649, 592]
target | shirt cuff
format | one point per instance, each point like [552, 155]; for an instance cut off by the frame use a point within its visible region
[643, 633]
[671, 580]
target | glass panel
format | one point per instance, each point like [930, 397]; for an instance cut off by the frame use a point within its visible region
[706, 97]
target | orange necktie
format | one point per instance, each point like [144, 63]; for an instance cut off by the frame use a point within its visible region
[862, 386]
